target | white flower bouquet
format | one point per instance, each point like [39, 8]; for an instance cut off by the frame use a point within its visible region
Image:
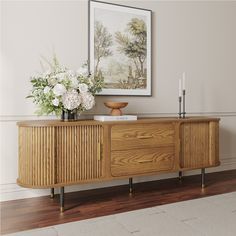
[61, 90]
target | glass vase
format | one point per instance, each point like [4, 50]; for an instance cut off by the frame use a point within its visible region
[68, 115]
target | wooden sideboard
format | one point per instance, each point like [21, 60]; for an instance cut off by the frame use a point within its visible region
[57, 154]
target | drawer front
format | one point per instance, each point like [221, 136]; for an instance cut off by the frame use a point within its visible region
[140, 161]
[124, 137]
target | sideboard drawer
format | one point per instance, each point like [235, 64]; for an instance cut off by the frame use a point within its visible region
[139, 161]
[124, 137]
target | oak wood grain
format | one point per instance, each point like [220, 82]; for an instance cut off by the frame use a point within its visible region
[195, 145]
[125, 137]
[138, 161]
[52, 155]
[213, 142]
[55, 153]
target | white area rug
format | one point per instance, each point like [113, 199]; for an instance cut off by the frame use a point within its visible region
[210, 216]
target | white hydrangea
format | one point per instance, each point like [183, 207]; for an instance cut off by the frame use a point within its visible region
[59, 89]
[55, 102]
[71, 100]
[74, 82]
[83, 71]
[46, 89]
[83, 88]
[88, 100]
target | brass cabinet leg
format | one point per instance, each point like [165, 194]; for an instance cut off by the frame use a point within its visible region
[52, 193]
[130, 185]
[180, 175]
[62, 199]
[203, 177]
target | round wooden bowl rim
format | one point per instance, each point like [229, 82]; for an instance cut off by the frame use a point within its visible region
[115, 104]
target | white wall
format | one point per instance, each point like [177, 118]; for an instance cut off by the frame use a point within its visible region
[196, 37]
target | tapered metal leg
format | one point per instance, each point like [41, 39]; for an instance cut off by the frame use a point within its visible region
[130, 185]
[180, 175]
[203, 177]
[62, 199]
[52, 193]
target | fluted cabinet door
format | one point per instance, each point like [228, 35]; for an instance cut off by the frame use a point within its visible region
[37, 156]
[199, 144]
[79, 154]
[59, 155]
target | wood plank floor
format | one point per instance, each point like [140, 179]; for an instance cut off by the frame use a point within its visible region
[19, 215]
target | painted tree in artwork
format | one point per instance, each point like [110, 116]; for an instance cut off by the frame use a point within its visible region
[133, 44]
[102, 42]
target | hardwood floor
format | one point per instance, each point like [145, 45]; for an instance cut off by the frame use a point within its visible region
[19, 215]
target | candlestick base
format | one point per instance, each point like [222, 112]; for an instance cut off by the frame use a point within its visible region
[180, 113]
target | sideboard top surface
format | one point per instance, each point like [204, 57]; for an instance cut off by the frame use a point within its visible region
[38, 123]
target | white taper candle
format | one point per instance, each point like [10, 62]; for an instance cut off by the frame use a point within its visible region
[180, 87]
[184, 88]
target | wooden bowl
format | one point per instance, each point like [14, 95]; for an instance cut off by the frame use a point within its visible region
[116, 107]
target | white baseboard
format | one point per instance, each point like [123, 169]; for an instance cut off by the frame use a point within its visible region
[12, 191]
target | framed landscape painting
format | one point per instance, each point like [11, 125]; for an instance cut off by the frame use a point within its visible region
[120, 48]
